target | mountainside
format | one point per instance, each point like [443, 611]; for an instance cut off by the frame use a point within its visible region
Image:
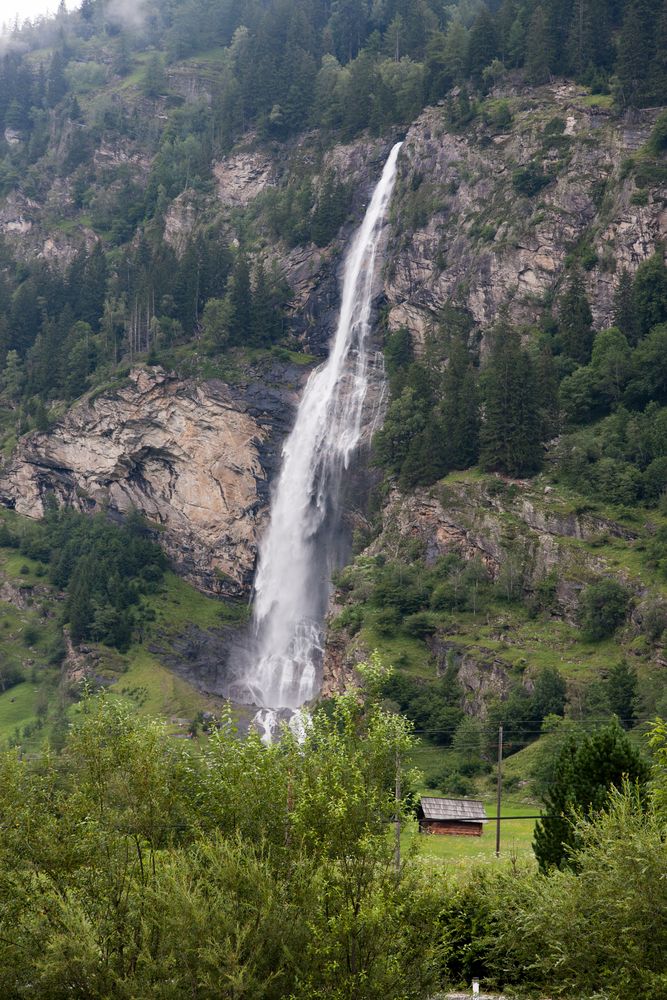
[172, 240]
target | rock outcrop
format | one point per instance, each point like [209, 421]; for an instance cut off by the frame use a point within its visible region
[471, 236]
[192, 457]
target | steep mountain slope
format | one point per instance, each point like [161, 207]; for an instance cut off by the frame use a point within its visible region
[170, 272]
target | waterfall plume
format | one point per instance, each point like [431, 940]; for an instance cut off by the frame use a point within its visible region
[297, 553]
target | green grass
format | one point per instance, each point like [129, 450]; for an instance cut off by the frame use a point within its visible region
[597, 101]
[408, 655]
[17, 709]
[178, 604]
[157, 691]
[516, 836]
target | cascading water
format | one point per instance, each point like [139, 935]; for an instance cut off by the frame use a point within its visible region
[297, 552]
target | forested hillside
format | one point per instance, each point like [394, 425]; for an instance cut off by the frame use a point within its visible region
[179, 184]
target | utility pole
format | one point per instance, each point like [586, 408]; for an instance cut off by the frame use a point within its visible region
[397, 797]
[499, 787]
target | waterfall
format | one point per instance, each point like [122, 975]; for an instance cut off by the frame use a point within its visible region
[297, 553]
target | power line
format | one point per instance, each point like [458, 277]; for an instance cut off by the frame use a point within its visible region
[537, 728]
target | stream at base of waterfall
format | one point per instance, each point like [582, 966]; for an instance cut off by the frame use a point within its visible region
[298, 552]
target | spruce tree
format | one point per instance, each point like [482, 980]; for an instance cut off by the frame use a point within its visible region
[483, 43]
[657, 77]
[240, 297]
[547, 394]
[266, 320]
[583, 777]
[575, 321]
[510, 433]
[540, 47]
[622, 693]
[635, 48]
[459, 410]
[650, 292]
[625, 308]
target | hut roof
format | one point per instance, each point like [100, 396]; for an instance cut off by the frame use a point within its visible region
[465, 810]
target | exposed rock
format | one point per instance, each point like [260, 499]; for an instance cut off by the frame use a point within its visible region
[481, 678]
[19, 597]
[192, 457]
[180, 220]
[466, 247]
[242, 176]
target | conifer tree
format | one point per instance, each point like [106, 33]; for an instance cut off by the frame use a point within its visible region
[56, 83]
[650, 292]
[635, 48]
[459, 411]
[265, 317]
[622, 693]
[657, 77]
[240, 297]
[540, 47]
[575, 320]
[483, 43]
[625, 308]
[583, 777]
[510, 433]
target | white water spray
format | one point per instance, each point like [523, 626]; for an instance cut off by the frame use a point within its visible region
[296, 554]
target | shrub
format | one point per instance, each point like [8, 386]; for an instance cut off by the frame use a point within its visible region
[530, 180]
[602, 608]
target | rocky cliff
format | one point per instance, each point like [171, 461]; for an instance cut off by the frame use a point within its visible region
[192, 456]
[532, 541]
[468, 234]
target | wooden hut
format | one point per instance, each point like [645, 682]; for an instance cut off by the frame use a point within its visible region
[451, 816]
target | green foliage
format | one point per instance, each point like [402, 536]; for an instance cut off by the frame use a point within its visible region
[530, 180]
[103, 568]
[609, 901]
[603, 607]
[237, 869]
[585, 772]
[575, 320]
[510, 434]
[622, 692]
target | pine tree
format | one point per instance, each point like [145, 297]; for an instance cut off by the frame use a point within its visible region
[657, 76]
[483, 43]
[13, 377]
[622, 693]
[459, 410]
[650, 292]
[56, 83]
[265, 324]
[635, 49]
[547, 394]
[240, 297]
[155, 79]
[92, 292]
[575, 321]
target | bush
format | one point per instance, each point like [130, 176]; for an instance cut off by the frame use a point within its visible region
[610, 904]
[530, 180]
[420, 625]
[602, 609]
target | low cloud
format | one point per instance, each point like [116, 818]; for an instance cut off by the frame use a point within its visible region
[128, 13]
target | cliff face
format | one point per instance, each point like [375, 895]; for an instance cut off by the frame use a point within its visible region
[193, 457]
[469, 234]
[533, 542]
